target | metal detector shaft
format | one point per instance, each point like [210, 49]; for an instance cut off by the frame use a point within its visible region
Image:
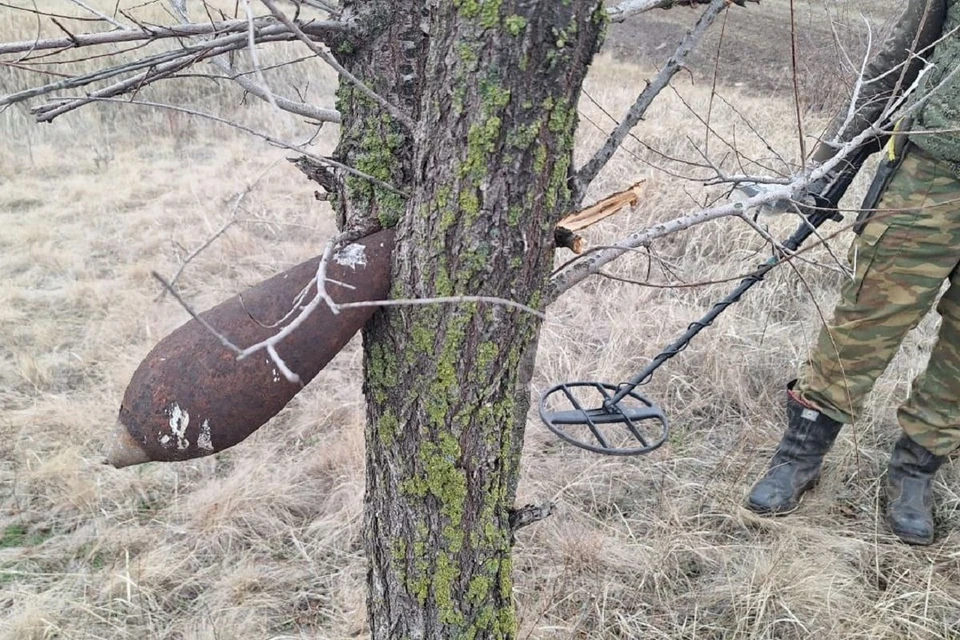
[792, 243]
[824, 209]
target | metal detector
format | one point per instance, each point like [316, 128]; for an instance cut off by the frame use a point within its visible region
[614, 419]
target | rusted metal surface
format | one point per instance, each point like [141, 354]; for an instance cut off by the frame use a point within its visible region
[191, 397]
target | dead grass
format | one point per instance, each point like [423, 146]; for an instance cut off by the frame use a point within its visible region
[263, 541]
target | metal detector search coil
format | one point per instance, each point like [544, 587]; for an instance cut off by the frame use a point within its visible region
[633, 419]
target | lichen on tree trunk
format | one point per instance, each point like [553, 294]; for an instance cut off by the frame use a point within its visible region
[493, 86]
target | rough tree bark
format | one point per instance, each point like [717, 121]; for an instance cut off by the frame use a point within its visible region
[493, 87]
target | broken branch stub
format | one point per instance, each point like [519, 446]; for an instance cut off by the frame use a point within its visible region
[191, 397]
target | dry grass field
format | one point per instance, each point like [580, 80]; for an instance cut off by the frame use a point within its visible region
[264, 541]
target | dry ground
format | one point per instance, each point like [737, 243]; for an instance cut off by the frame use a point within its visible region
[263, 541]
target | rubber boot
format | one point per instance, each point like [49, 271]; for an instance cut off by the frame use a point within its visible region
[910, 491]
[795, 467]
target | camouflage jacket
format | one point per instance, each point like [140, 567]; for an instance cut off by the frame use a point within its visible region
[928, 28]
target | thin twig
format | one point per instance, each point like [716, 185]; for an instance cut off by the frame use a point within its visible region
[224, 340]
[629, 8]
[154, 73]
[102, 16]
[322, 297]
[588, 264]
[317, 29]
[262, 90]
[255, 59]
[232, 221]
[48, 14]
[754, 130]
[795, 75]
[586, 174]
[713, 85]
[264, 136]
[196, 252]
[167, 60]
[307, 110]
[643, 144]
[398, 115]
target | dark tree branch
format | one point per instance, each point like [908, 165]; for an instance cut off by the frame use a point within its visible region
[630, 8]
[589, 171]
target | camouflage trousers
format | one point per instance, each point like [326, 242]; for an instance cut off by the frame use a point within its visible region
[901, 259]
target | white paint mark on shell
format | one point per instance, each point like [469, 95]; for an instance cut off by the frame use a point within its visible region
[205, 440]
[352, 255]
[164, 440]
[276, 376]
[179, 420]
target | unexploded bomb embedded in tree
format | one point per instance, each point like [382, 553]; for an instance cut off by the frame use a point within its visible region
[191, 396]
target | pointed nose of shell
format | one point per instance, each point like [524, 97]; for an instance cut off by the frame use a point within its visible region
[124, 451]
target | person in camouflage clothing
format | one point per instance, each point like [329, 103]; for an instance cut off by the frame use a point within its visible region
[902, 257]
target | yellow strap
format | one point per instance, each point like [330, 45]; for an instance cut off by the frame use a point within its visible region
[891, 148]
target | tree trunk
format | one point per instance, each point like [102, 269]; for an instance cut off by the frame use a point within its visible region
[493, 86]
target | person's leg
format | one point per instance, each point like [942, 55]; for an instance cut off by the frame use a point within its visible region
[900, 260]
[931, 415]
[930, 419]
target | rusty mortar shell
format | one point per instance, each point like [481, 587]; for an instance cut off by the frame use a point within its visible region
[192, 397]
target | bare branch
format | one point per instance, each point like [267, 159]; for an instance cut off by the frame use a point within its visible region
[232, 221]
[330, 8]
[591, 263]
[579, 269]
[896, 107]
[630, 8]
[49, 14]
[316, 29]
[261, 90]
[322, 297]
[255, 59]
[398, 115]
[154, 72]
[259, 134]
[102, 16]
[193, 254]
[224, 340]
[291, 106]
[795, 77]
[589, 171]
[158, 66]
[795, 256]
